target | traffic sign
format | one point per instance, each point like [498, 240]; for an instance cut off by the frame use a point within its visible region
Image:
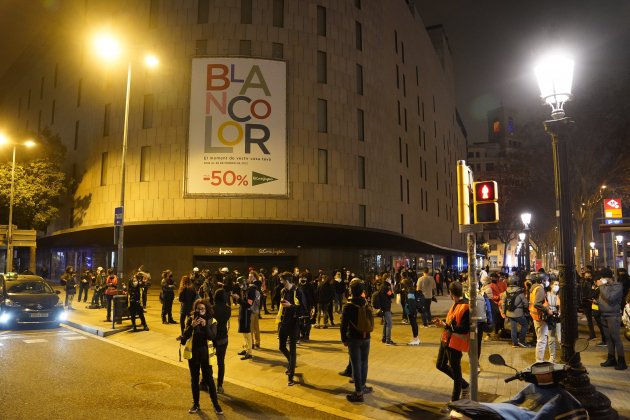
[118, 216]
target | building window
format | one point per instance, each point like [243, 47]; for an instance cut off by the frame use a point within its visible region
[154, 13]
[404, 85]
[278, 13]
[399, 150]
[321, 21]
[359, 79]
[358, 36]
[402, 223]
[433, 103]
[420, 166]
[360, 125]
[277, 51]
[426, 199]
[201, 47]
[399, 117]
[423, 111]
[203, 9]
[322, 166]
[405, 119]
[402, 51]
[322, 76]
[401, 189]
[246, 11]
[421, 198]
[407, 155]
[362, 213]
[147, 112]
[438, 207]
[106, 118]
[52, 113]
[104, 169]
[145, 159]
[418, 104]
[76, 135]
[417, 76]
[396, 41]
[397, 77]
[407, 191]
[322, 115]
[245, 47]
[489, 167]
[79, 89]
[361, 172]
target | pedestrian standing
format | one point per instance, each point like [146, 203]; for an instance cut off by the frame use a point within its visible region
[134, 299]
[187, 296]
[244, 298]
[145, 283]
[222, 314]
[288, 320]
[610, 304]
[586, 291]
[554, 339]
[198, 337]
[426, 284]
[356, 325]
[325, 297]
[539, 311]
[385, 296]
[70, 278]
[84, 285]
[99, 288]
[168, 297]
[111, 290]
[455, 341]
[514, 305]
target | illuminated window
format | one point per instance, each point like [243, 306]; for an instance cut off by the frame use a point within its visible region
[496, 127]
[510, 125]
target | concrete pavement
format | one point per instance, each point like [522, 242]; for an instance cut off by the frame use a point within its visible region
[405, 380]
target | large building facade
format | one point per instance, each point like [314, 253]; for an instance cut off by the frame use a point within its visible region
[365, 125]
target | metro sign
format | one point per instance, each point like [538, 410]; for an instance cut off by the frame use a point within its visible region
[612, 208]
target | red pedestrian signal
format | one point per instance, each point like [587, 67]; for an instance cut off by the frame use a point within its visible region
[485, 201]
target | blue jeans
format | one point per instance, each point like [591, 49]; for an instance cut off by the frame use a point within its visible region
[387, 326]
[524, 326]
[359, 349]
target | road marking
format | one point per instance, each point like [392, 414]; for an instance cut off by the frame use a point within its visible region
[75, 338]
[35, 340]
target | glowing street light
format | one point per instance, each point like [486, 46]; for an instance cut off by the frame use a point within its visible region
[109, 48]
[28, 143]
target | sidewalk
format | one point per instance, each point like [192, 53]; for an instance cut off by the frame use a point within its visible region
[405, 380]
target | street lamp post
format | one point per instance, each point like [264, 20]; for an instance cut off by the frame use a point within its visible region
[523, 247]
[617, 242]
[526, 218]
[28, 143]
[555, 77]
[109, 48]
[592, 244]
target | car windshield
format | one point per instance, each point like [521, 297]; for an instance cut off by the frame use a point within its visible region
[28, 286]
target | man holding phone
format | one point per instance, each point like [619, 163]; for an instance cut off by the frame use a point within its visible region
[291, 307]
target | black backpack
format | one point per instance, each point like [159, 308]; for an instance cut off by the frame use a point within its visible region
[511, 301]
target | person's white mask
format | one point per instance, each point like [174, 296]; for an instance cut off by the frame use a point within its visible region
[555, 289]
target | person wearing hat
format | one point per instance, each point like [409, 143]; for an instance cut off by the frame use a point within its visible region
[610, 302]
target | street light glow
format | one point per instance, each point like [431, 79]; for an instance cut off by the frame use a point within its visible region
[29, 143]
[554, 73]
[521, 236]
[107, 46]
[526, 218]
[592, 244]
[619, 238]
[151, 61]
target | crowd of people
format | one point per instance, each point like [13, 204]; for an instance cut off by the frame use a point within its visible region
[509, 307]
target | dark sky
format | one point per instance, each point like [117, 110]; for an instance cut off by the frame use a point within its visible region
[495, 44]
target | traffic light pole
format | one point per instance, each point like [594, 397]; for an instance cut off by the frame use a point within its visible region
[471, 246]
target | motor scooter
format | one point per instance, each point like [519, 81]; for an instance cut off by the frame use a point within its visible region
[544, 398]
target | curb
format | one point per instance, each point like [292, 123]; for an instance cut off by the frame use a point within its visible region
[95, 330]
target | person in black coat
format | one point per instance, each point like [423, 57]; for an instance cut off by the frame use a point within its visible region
[222, 314]
[202, 328]
[168, 296]
[245, 297]
[187, 296]
[325, 296]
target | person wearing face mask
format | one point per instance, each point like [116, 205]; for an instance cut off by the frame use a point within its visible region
[168, 296]
[454, 342]
[198, 341]
[340, 289]
[111, 284]
[272, 288]
[539, 311]
[610, 300]
[595, 311]
[292, 307]
[135, 292]
[554, 336]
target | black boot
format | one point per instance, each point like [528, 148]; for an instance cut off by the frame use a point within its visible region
[609, 362]
[621, 364]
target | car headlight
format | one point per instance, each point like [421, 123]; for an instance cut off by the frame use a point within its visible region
[63, 316]
[11, 303]
[5, 317]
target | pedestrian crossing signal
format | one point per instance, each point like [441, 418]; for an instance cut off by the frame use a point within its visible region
[485, 202]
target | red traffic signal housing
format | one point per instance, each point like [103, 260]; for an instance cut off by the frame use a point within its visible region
[486, 191]
[486, 194]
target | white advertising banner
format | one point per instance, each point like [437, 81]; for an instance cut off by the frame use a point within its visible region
[237, 141]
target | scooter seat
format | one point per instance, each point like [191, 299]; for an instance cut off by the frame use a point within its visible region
[474, 409]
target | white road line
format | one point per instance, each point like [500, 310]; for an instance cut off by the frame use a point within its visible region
[75, 338]
[35, 340]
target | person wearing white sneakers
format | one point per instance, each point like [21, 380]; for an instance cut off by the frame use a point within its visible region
[411, 308]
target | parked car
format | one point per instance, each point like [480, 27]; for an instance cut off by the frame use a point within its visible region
[26, 299]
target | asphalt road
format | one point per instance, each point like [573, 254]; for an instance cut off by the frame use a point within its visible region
[58, 373]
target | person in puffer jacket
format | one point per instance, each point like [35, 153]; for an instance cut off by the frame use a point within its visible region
[514, 304]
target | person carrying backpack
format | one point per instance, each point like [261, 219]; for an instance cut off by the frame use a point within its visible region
[357, 322]
[514, 304]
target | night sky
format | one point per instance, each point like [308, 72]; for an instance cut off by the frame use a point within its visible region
[495, 44]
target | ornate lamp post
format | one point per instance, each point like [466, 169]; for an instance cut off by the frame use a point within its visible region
[555, 77]
[618, 242]
[592, 244]
[522, 247]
